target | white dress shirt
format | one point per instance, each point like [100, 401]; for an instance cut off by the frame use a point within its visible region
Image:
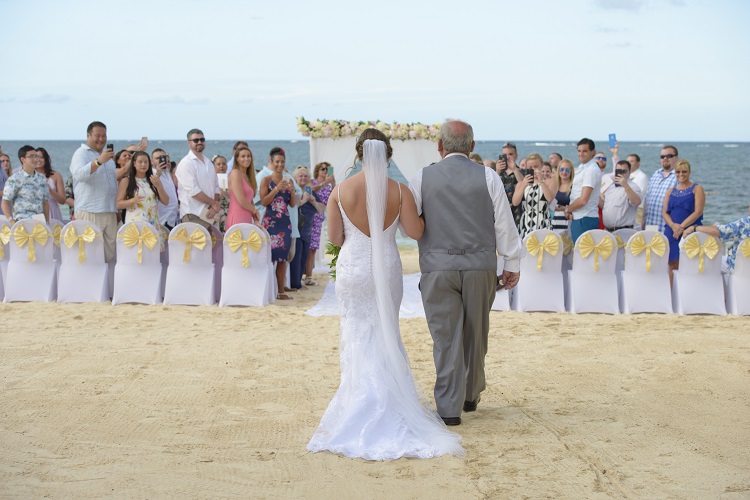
[195, 176]
[169, 213]
[94, 192]
[587, 175]
[617, 210]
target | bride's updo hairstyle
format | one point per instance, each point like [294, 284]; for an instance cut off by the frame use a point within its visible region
[373, 133]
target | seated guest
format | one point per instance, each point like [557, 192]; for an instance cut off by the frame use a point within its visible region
[683, 207]
[55, 183]
[620, 200]
[220, 166]
[242, 188]
[26, 193]
[733, 232]
[565, 175]
[309, 207]
[534, 194]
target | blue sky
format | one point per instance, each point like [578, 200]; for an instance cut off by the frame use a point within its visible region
[649, 70]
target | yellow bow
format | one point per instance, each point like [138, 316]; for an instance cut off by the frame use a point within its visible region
[567, 243]
[618, 239]
[693, 249]
[657, 245]
[132, 236]
[39, 234]
[4, 240]
[550, 244]
[604, 248]
[197, 239]
[253, 241]
[71, 236]
[56, 230]
[744, 248]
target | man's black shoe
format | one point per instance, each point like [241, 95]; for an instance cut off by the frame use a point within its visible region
[452, 420]
[472, 405]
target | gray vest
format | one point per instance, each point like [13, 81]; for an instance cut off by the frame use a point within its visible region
[459, 232]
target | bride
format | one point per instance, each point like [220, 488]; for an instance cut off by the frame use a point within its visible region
[377, 413]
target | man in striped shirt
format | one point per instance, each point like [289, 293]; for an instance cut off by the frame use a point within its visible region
[662, 181]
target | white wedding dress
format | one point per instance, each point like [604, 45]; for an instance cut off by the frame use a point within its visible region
[377, 412]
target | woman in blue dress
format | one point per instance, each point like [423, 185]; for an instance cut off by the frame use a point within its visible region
[277, 195]
[683, 207]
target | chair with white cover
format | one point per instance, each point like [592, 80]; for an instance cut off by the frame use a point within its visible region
[190, 276]
[502, 297]
[272, 287]
[138, 267]
[645, 279]
[541, 288]
[32, 268]
[83, 274]
[4, 252]
[698, 286]
[245, 276]
[738, 282]
[592, 282]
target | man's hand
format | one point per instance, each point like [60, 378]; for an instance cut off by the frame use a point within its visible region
[500, 166]
[509, 279]
[143, 145]
[106, 155]
[615, 149]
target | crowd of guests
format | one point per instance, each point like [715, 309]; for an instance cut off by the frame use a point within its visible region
[553, 194]
[109, 189]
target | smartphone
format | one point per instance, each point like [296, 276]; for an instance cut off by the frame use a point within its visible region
[503, 157]
[527, 171]
[612, 140]
[163, 160]
[308, 189]
[111, 146]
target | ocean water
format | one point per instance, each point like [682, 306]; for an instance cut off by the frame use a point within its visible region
[721, 168]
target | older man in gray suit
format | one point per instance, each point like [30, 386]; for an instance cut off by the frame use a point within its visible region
[468, 223]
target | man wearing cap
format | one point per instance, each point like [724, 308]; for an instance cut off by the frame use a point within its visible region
[198, 186]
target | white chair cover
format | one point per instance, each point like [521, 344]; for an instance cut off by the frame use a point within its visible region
[86, 281]
[645, 279]
[272, 287]
[695, 291]
[738, 283]
[245, 285]
[31, 280]
[592, 289]
[541, 287]
[4, 252]
[190, 283]
[134, 281]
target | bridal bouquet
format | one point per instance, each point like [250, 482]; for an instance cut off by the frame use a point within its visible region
[333, 250]
[318, 129]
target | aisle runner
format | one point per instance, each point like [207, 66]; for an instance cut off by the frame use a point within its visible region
[411, 305]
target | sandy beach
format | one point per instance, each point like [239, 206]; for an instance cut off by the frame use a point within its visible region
[205, 402]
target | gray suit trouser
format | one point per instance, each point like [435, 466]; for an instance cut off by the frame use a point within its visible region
[457, 305]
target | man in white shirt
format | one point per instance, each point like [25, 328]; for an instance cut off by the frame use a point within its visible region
[198, 186]
[619, 202]
[638, 178]
[169, 214]
[584, 193]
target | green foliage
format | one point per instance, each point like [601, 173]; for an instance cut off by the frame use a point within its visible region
[333, 250]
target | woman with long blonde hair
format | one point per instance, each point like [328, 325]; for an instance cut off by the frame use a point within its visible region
[565, 175]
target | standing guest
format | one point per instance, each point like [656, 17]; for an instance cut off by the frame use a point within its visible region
[638, 177]
[237, 144]
[683, 207]
[476, 158]
[5, 164]
[309, 207]
[70, 198]
[510, 175]
[584, 194]
[323, 183]
[554, 160]
[26, 193]
[220, 167]
[141, 192]
[619, 201]
[489, 163]
[565, 176]
[95, 185]
[534, 193]
[242, 188]
[277, 194]
[169, 213]
[198, 187]
[55, 183]
[660, 182]
[122, 160]
[733, 232]
[601, 161]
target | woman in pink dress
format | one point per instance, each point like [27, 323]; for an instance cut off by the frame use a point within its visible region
[242, 188]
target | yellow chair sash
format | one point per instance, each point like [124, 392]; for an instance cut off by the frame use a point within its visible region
[4, 240]
[131, 237]
[567, 243]
[657, 245]
[602, 249]
[197, 239]
[38, 235]
[693, 249]
[620, 242]
[56, 230]
[550, 244]
[71, 237]
[254, 241]
[745, 249]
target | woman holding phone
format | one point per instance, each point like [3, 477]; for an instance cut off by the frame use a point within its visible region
[534, 194]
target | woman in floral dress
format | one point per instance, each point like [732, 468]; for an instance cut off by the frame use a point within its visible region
[322, 185]
[140, 192]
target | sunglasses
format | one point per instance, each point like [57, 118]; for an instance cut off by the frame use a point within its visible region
[324, 169]
[198, 140]
[602, 158]
[667, 157]
[564, 170]
[509, 145]
[681, 172]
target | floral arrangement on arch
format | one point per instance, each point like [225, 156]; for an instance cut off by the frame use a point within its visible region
[333, 129]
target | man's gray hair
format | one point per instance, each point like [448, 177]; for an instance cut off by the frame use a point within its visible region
[194, 131]
[456, 136]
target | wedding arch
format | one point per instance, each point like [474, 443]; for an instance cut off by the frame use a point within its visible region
[333, 141]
